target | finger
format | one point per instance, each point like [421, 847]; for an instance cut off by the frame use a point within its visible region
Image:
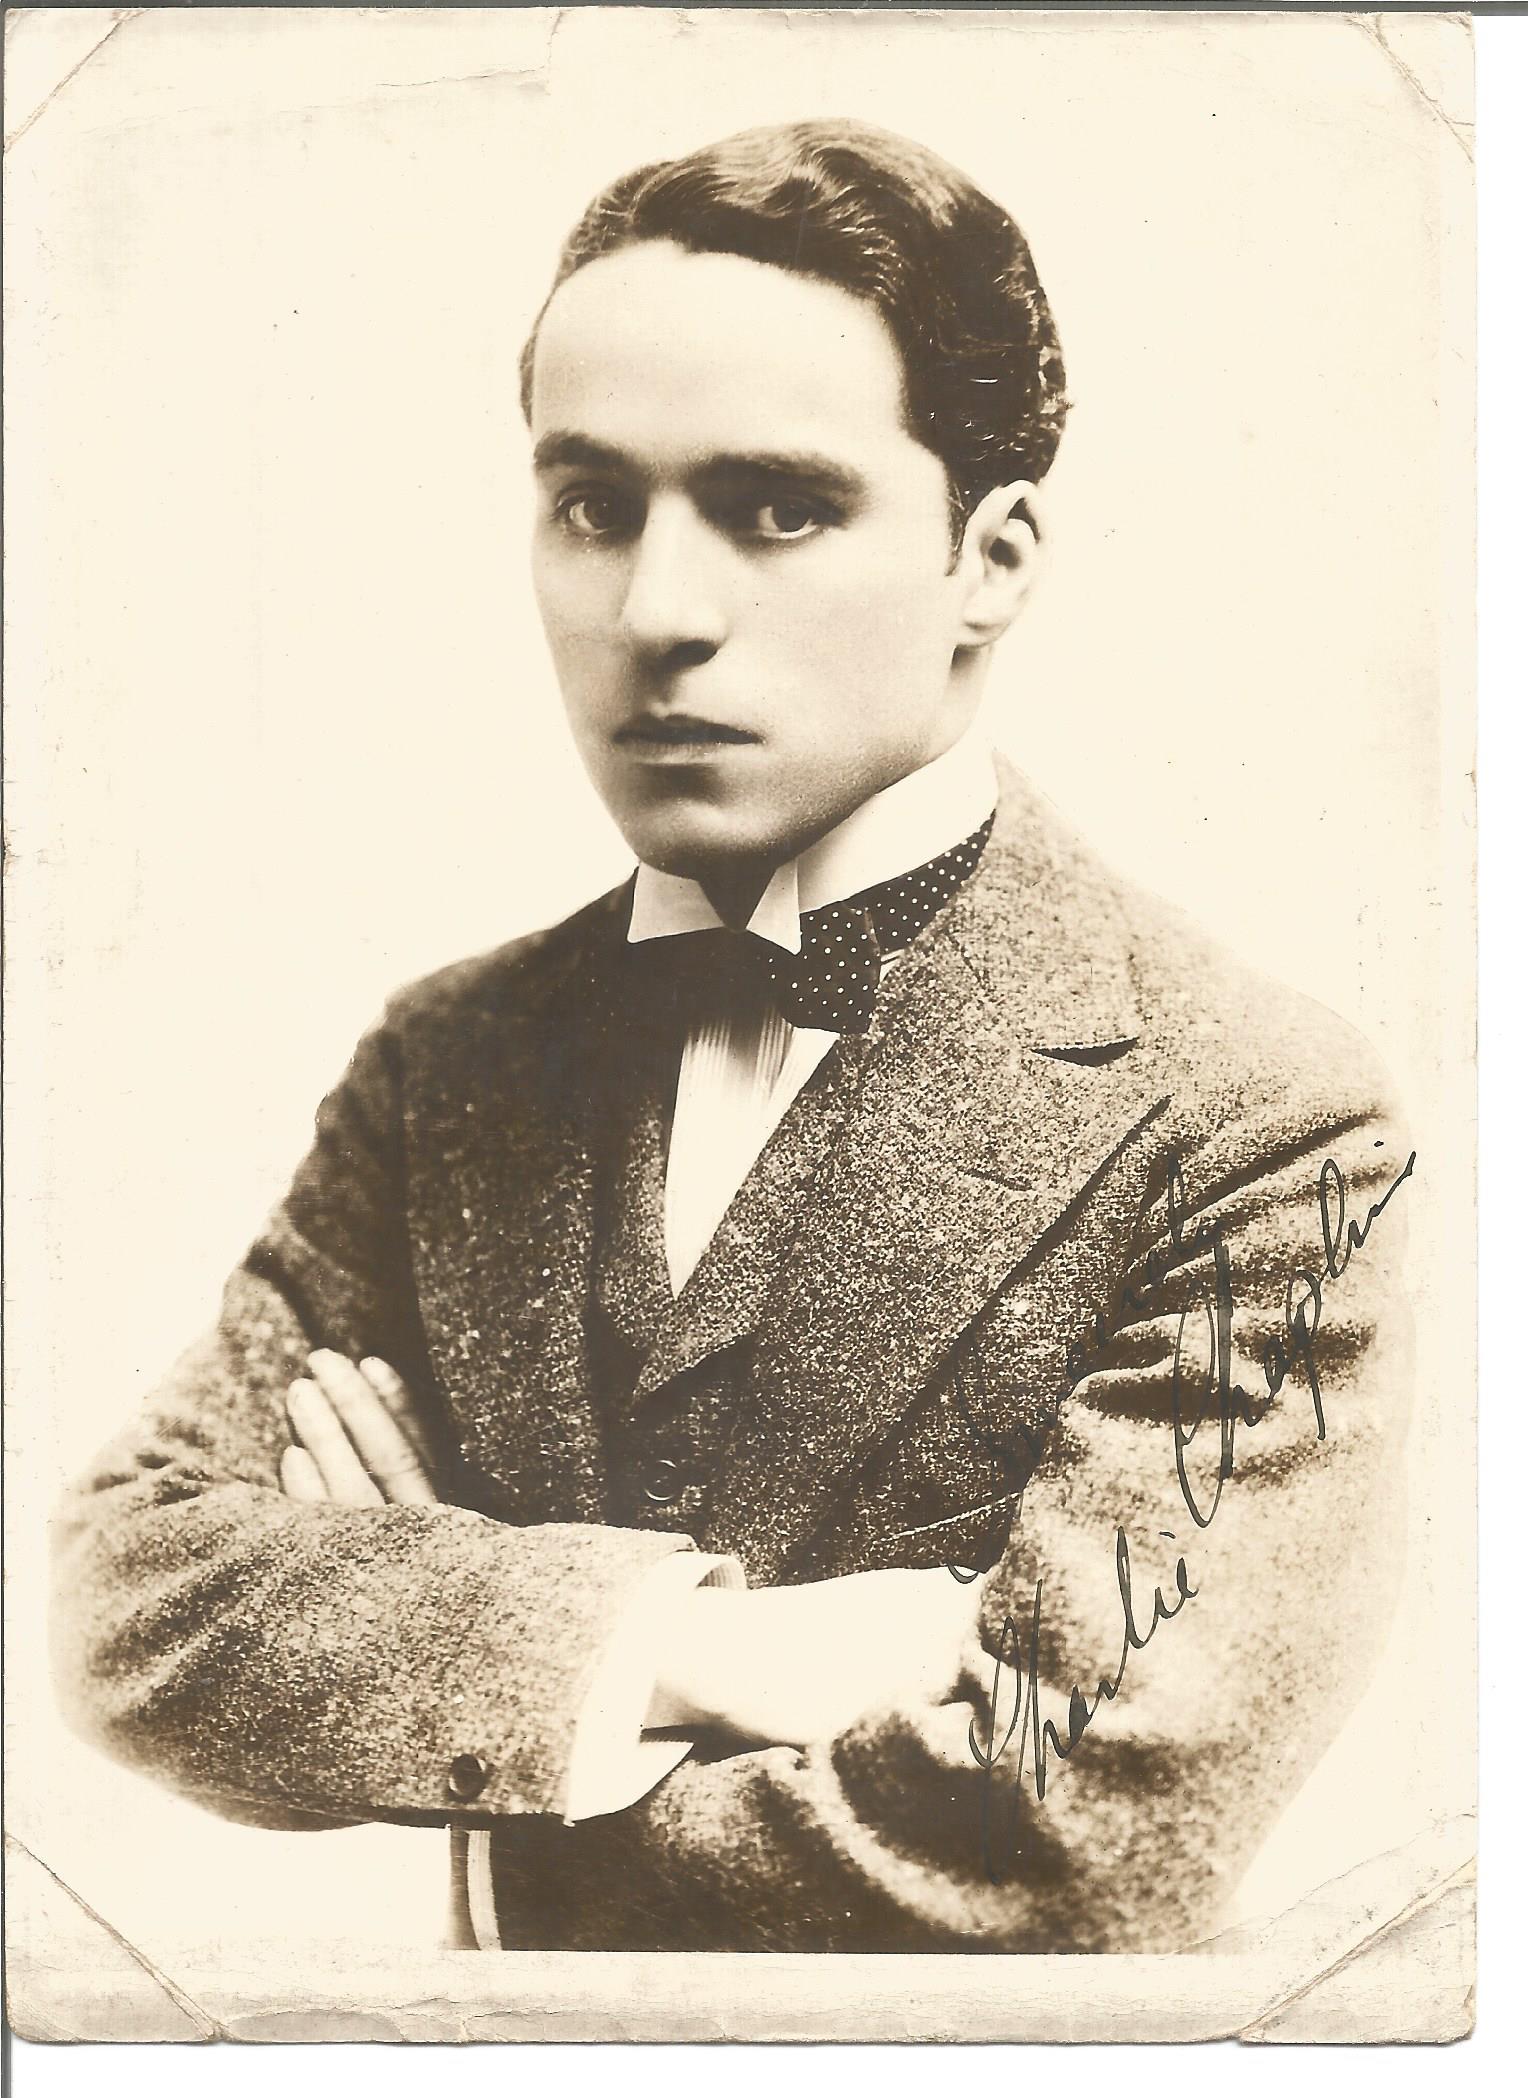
[389, 1455]
[317, 1427]
[384, 1451]
[301, 1479]
[399, 1401]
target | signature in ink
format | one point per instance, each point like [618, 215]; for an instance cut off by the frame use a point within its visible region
[1041, 1736]
[1220, 1400]
[1294, 1347]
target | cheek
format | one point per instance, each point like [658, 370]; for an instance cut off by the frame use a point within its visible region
[576, 601]
[878, 629]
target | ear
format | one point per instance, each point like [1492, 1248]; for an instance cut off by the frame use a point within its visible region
[999, 559]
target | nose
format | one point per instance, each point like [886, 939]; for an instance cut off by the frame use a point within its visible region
[673, 606]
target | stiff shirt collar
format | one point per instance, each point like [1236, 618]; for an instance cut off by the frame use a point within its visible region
[904, 826]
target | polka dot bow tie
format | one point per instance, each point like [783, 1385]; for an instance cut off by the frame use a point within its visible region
[833, 981]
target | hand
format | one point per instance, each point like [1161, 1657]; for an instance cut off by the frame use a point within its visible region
[358, 1437]
[793, 1665]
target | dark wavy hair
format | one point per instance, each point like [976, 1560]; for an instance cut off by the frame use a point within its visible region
[889, 221]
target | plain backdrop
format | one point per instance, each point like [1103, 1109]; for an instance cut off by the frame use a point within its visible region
[283, 732]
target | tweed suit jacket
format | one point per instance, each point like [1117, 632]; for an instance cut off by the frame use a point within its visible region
[1034, 1280]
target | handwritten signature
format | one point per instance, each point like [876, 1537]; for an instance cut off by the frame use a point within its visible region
[1015, 1702]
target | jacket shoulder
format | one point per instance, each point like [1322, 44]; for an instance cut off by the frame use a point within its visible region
[1237, 1035]
[509, 976]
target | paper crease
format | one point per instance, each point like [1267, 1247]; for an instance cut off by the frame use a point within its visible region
[130, 14]
[1373, 27]
[209, 2028]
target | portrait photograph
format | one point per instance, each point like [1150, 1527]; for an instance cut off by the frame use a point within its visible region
[741, 1024]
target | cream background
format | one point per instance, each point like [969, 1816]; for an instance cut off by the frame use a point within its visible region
[282, 731]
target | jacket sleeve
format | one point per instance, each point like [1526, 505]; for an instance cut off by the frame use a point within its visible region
[1259, 1592]
[297, 1665]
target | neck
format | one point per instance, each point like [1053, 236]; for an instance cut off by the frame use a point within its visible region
[733, 892]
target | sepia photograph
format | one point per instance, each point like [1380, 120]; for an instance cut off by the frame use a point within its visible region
[741, 1024]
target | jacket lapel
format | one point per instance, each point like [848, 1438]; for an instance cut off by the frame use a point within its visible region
[632, 1278]
[996, 1082]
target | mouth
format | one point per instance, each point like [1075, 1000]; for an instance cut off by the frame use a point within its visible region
[657, 734]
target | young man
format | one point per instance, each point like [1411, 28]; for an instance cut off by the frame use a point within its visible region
[747, 1383]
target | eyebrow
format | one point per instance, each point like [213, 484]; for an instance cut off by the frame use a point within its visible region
[564, 448]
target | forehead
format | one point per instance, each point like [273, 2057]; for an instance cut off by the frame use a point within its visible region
[655, 351]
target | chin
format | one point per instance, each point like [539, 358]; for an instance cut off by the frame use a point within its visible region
[695, 843]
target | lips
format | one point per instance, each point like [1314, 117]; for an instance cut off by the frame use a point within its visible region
[680, 731]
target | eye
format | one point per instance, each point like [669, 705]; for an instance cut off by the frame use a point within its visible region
[786, 517]
[782, 518]
[593, 513]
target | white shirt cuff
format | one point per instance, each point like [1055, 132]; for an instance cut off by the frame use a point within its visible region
[614, 1763]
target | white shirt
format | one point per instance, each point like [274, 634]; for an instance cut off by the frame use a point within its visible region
[739, 1072]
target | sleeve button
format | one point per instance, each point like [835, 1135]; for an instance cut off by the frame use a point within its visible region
[664, 1481]
[466, 1777]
